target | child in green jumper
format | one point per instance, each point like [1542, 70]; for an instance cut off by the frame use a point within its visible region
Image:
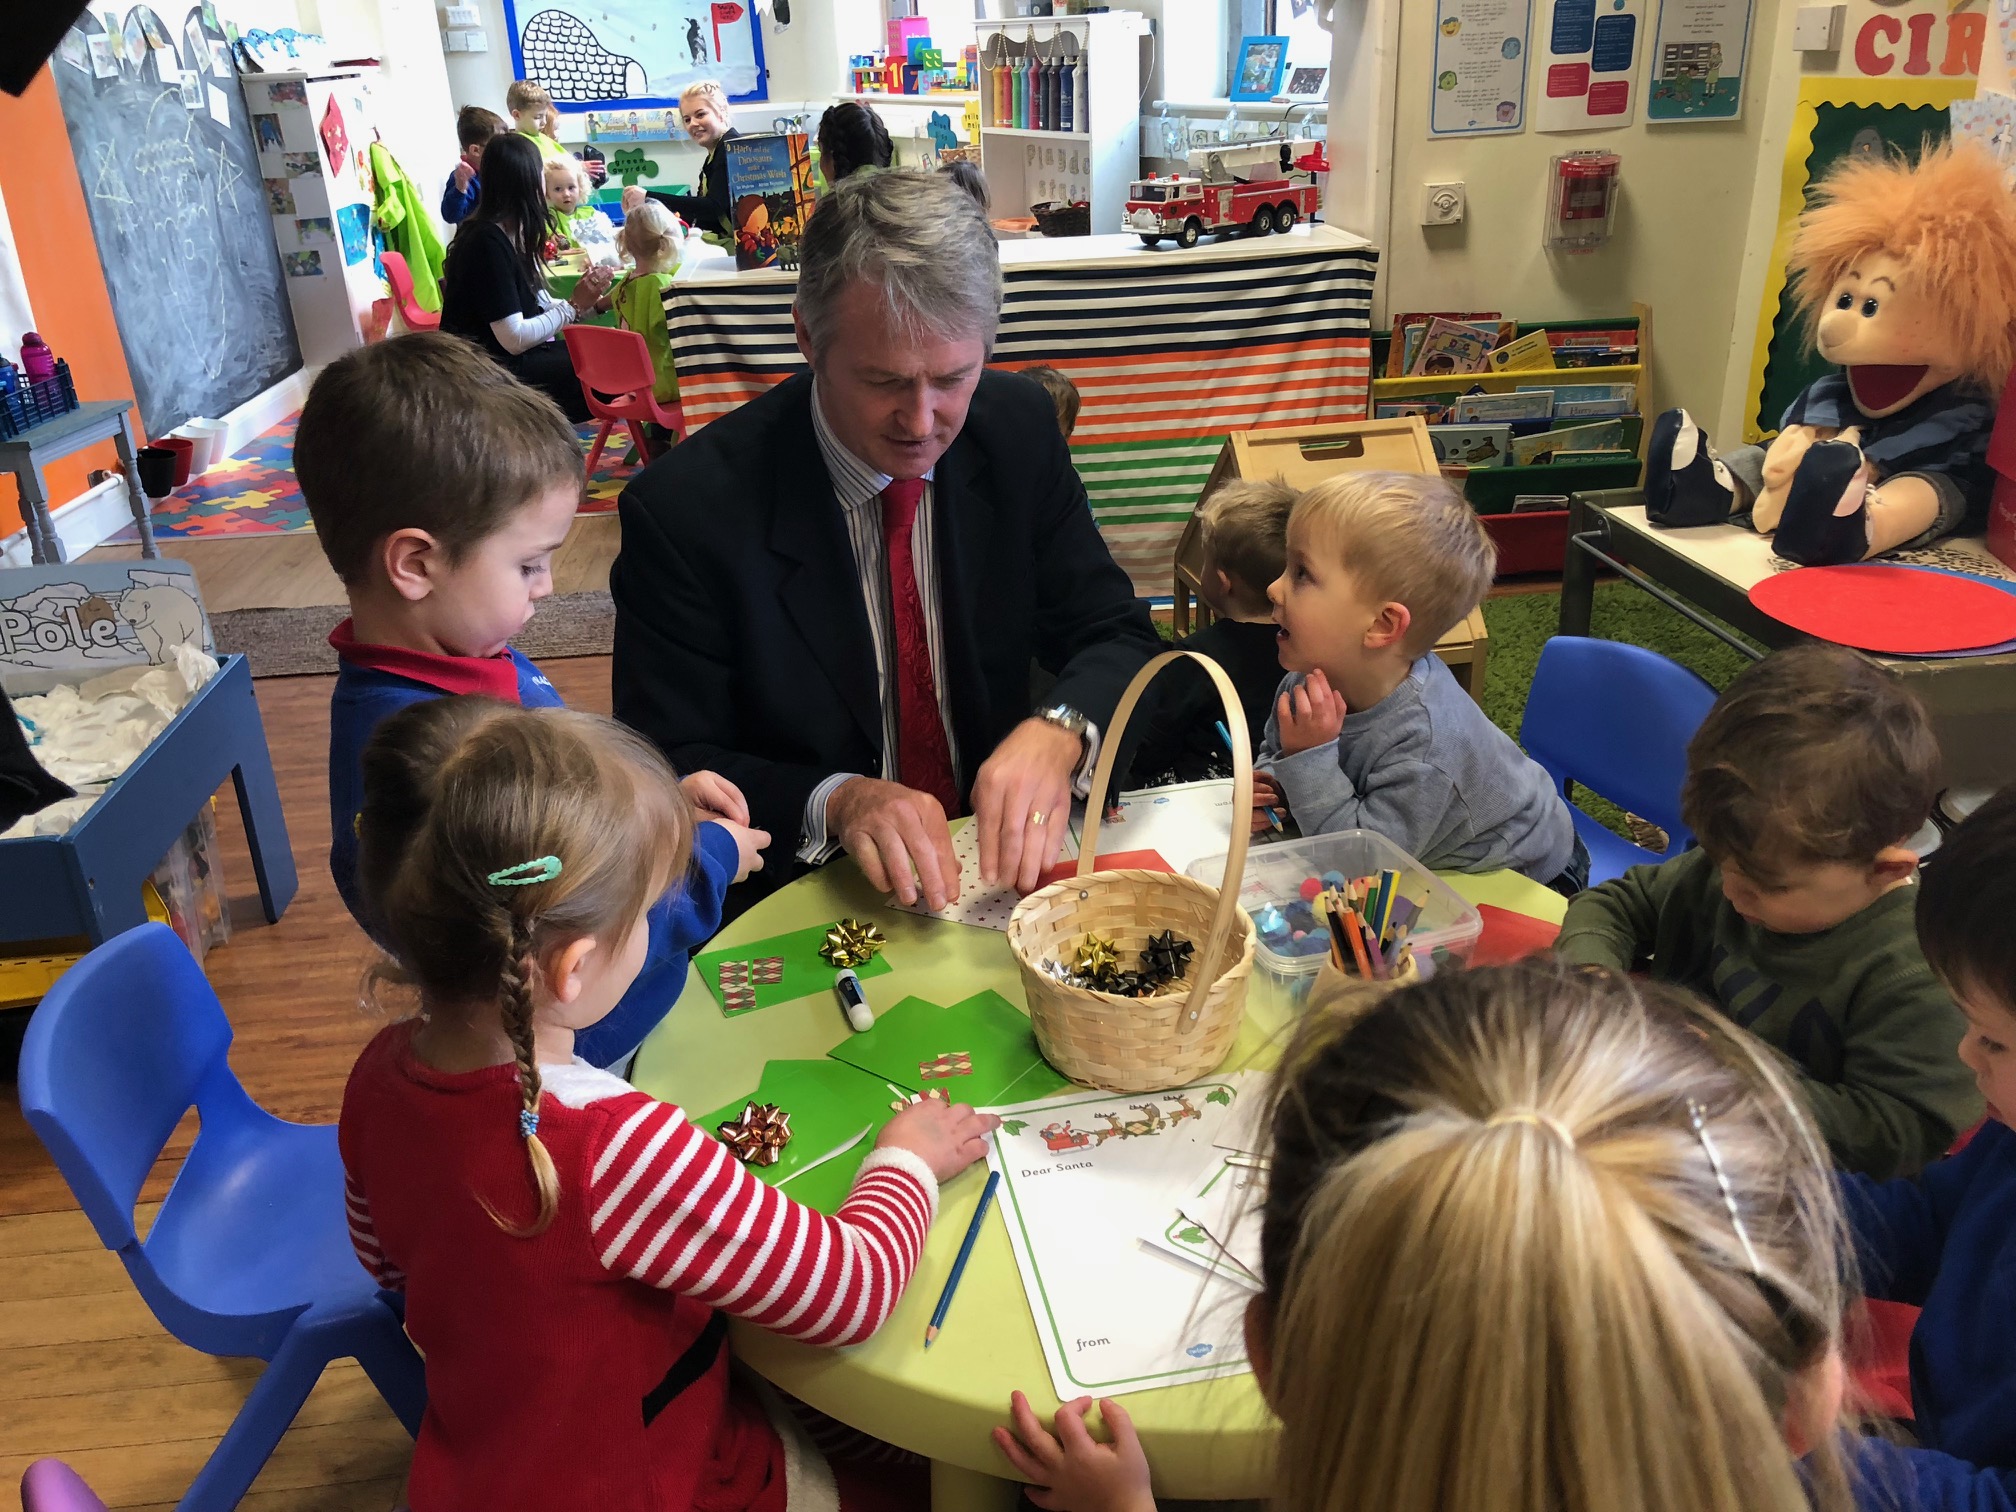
[1794, 915]
[650, 238]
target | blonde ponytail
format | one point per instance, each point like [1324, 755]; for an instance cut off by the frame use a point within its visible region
[1504, 1276]
[516, 1001]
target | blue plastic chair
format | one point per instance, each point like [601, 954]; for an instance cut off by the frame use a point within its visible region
[250, 1254]
[1616, 719]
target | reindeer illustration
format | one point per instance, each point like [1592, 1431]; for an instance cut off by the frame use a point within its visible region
[1189, 1110]
[1154, 1123]
[1117, 1131]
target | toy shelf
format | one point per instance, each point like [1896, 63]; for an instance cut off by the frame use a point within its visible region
[1387, 389]
[1097, 164]
[959, 97]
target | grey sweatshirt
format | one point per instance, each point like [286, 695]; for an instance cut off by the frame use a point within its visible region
[1427, 770]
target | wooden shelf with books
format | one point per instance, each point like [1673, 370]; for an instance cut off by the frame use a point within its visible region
[1500, 453]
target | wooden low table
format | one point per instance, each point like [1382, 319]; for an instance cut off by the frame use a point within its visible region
[24, 455]
[1709, 570]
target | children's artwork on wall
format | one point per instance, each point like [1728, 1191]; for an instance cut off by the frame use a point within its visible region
[1835, 118]
[1697, 60]
[353, 224]
[1479, 68]
[303, 264]
[636, 52]
[182, 220]
[1990, 119]
[192, 89]
[104, 60]
[316, 228]
[287, 92]
[1262, 61]
[301, 164]
[279, 196]
[335, 139]
[1589, 64]
[267, 129]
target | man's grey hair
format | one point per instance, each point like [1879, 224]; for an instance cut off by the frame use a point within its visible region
[918, 240]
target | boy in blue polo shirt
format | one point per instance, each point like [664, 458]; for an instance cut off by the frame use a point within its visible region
[440, 488]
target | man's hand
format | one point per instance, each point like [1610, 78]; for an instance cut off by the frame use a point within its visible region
[715, 797]
[900, 838]
[1074, 1472]
[1309, 715]
[1022, 802]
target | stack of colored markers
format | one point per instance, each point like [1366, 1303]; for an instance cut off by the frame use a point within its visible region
[1369, 923]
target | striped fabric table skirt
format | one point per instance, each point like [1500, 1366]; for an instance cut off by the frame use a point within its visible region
[1170, 350]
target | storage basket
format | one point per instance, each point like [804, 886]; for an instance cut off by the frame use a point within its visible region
[1063, 217]
[1121, 1044]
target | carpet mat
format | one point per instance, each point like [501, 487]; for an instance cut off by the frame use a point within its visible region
[294, 642]
[255, 493]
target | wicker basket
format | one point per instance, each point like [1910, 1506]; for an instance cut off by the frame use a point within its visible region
[1063, 217]
[1120, 1044]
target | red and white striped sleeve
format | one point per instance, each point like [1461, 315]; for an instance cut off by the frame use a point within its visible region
[364, 1238]
[670, 1206]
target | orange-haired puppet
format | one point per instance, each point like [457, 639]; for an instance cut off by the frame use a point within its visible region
[1907, 274]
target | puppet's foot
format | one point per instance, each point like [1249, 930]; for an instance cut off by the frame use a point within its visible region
[1826, 519]
[1685, 482]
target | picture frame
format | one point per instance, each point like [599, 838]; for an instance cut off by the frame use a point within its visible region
[1261, 63]
[1308, 81]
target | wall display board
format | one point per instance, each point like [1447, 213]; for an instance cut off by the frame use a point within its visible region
[1696, 72]
[1589, 64]
[636, 52]
[1480, 67]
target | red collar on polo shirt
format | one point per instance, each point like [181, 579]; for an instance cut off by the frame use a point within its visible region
[491, 676]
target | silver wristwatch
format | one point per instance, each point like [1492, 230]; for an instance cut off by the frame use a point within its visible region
[1065, 718]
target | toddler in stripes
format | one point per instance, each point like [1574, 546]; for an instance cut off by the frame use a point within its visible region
[569, 1247]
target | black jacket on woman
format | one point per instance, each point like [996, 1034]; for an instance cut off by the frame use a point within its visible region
[709, 209]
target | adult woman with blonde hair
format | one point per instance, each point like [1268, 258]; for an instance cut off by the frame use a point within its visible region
[1536, 1239]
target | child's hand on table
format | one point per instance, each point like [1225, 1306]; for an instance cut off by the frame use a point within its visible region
[948, 1137]
[1074, 1472]
[1266, 795]
[1309, 715]
[715, 797]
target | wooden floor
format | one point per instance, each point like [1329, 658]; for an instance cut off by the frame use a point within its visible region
[86, 1374]
[288, 572]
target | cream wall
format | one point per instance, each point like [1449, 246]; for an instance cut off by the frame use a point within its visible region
[1678, 242]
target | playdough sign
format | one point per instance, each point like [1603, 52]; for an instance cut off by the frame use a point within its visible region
[65, 623]
[1923, 37]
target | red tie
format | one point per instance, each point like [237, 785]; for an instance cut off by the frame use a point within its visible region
[923, 756]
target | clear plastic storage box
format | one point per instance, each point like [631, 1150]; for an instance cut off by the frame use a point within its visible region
[1271, 892]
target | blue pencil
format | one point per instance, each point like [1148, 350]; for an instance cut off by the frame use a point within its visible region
[959, 1265]
[1225, 735]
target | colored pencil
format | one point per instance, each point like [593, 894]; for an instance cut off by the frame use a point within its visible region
[1224, 734]
[1357, 940]
[959, 1265]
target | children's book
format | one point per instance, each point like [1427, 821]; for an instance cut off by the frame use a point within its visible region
[1451, 347]
[1602, 435]
[770, 197]
[1409, 329]
[1471, 445]
[1526, 404]
[1531, 351]
[1084, 1176]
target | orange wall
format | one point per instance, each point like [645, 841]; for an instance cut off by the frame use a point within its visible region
[66, 283]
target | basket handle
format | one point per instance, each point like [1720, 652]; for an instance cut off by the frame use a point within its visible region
[1242, 808]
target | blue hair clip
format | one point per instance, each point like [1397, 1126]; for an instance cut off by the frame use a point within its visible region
[528, 1123]
[526, 873]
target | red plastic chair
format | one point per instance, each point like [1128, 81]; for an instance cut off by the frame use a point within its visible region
[400, 277]
[618, 364]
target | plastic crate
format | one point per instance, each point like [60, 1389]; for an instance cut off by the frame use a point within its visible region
[1445, 933]
[27, 973]
[33, 404]
[1533, 542]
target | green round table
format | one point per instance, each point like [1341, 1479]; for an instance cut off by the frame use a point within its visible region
[1205, 1441]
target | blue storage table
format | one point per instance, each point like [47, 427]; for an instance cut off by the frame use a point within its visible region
[87, 882]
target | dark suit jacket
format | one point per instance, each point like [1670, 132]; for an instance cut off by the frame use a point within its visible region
[742, 641]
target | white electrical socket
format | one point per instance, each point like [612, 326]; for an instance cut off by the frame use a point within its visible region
[1817, 28]
[454, 41]
[463, 15]
[1442, 205]
[478, 41]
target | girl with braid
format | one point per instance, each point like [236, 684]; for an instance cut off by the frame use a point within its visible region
[569, 1247]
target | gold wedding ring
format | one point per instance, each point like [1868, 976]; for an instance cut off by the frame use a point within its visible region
[1037, 816]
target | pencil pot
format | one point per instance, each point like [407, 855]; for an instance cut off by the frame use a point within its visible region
[1141, 1044]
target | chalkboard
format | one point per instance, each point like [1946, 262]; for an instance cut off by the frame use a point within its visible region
[163, 142]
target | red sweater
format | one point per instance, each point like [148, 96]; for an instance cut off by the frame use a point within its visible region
[584, 1368]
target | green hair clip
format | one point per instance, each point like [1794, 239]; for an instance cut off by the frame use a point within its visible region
[526, 873]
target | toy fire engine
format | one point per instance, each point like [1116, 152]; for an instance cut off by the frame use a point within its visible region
[1235, 186]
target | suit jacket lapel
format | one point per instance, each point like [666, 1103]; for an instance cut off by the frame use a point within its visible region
[820, 592]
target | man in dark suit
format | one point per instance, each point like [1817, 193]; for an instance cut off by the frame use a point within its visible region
[835, 595]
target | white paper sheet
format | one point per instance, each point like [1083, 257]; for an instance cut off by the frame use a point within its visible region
[1083, 1176]
[1589, 64]
[1479, 70]
[1227, 1206]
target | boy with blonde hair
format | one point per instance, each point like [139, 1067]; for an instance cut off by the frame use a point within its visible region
[530, 105]
[1370, 730]
[1244, 532]
[1794, 914]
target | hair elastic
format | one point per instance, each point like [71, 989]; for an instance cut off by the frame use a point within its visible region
[1535, 1117]
[526, 873]
[1699, 1118]
[528, 1123]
